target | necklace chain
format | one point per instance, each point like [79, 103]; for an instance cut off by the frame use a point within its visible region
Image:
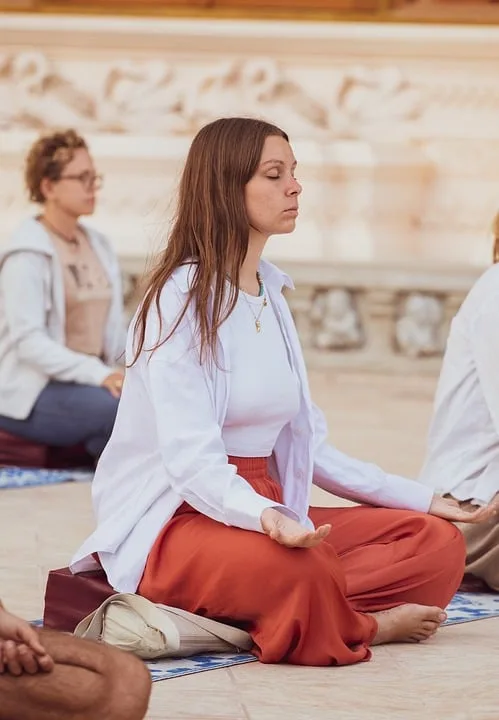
[257, 316]
[73, 241]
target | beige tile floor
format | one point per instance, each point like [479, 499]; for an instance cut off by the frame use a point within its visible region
[453, 677]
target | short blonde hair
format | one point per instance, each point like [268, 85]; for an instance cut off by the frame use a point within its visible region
[47, 158]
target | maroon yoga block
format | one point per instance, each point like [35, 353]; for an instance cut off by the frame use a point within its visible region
[16, 451]
[69, 598]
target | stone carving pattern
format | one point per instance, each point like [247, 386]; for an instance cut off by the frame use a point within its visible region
[375, 103]
[335, 321]
[153, 96]
[418, 331]
[34, 94]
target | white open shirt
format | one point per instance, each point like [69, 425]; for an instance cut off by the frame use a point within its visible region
[463, 443]
[167, 446]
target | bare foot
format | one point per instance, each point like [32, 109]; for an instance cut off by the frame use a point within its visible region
[407, 623]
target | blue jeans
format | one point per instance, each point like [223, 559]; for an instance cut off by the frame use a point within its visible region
[68, 414]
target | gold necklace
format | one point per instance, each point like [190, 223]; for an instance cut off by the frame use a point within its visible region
[258, 324]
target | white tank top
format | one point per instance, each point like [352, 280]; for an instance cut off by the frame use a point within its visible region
[264, 390]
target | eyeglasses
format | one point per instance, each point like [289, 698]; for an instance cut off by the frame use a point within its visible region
[88, 180]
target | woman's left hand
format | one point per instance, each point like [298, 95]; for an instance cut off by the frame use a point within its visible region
[449, 509]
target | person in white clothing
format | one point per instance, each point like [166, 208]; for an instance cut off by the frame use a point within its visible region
[202, 493]
[462, 459]
[62, 328]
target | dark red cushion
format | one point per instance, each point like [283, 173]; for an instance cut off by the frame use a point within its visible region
[18, 452]
[69, 598]
[76, 456]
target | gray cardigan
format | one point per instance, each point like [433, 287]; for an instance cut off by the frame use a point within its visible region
[32, 320]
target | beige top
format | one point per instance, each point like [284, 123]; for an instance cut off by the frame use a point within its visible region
[88, 294]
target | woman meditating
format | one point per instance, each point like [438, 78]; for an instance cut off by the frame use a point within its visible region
[61, 309]
[202, 494]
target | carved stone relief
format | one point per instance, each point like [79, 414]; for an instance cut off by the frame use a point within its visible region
[256, 87]
[388, 175]
[375, 104]
[335, 320]
[418, 330]
[141, 97]
[36, 95]
[155, 97]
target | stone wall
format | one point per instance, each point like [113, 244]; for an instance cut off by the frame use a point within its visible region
[394, 126]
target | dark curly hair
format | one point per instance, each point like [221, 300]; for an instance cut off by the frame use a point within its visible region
[47, 158]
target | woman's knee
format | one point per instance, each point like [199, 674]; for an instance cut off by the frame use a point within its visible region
[445, 533]
[444, 538]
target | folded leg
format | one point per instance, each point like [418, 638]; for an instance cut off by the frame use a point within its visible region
[391, 557]
[291, 601]
[89, 681]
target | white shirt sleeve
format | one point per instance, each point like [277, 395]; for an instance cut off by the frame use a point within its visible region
[189, 434]
[23, 296]
[362, 482]
[484, 343]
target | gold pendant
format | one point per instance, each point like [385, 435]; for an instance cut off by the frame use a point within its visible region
[258, 325]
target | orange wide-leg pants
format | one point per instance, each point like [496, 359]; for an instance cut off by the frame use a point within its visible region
[305, 606]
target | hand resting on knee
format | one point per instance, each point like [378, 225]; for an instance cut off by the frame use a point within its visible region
[450, 509]
[289, 532]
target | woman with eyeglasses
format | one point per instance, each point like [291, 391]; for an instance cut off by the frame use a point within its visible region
[61, 308]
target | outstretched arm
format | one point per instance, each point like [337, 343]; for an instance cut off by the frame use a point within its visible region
[364, 482]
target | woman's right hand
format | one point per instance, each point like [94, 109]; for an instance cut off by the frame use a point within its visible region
[290, 533]
[114, 383]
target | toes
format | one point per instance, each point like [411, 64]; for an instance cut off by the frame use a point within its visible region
[430, 626]
[420, 636]
[416, 637]
[435, 614]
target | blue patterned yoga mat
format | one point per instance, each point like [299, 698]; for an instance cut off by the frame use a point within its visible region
[176, 667]
[15, 477]
[464, 607]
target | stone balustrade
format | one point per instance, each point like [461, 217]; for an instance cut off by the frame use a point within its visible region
[353, 316]
[394, 127]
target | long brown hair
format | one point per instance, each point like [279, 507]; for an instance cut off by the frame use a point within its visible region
[211, 227]
[495, 230]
